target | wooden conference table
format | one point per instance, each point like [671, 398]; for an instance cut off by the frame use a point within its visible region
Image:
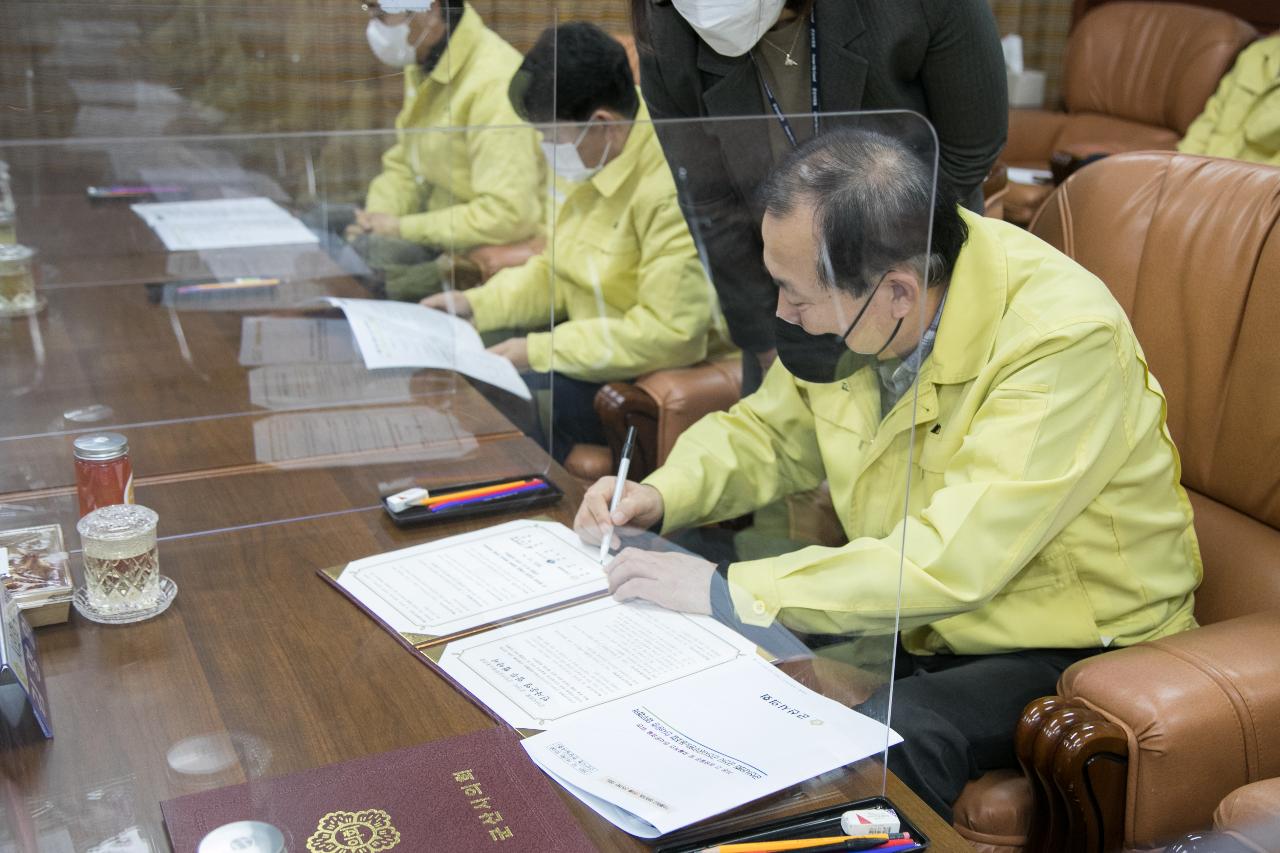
[259, 668]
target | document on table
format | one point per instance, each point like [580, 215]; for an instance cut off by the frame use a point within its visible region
[691, 748]
[451, 585]
[391, 434]
[296, 340]
[402, 334]
[223, 224]
[292, 386]
[539, 673]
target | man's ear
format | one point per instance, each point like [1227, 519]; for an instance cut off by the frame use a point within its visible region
[907, 293]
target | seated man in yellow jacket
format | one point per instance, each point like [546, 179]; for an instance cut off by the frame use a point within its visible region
[1242, 119]
[461, 174]
[621, 272]
[1044, 520]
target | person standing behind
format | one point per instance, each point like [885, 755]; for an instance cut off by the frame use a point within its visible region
[714, 59]
[452, 182]
[620, 269]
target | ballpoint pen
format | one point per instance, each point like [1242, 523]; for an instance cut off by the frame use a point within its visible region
[623, 465]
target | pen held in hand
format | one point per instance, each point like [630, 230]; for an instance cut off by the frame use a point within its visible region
[618, 486]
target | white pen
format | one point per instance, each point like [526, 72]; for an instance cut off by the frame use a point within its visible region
[623, 465]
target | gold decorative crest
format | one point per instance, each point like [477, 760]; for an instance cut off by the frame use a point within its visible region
[367, 831]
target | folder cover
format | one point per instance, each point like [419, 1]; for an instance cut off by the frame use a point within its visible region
[468, 793]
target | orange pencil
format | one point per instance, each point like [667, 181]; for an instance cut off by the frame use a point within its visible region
[798, 844]
[473, 493]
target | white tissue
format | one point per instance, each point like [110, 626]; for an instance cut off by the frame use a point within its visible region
[1012, 45]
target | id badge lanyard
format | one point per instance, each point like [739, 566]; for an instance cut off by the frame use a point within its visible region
[813, 84]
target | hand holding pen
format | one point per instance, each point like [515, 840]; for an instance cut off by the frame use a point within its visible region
[623, 466]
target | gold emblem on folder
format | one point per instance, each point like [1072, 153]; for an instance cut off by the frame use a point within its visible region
[367, 831]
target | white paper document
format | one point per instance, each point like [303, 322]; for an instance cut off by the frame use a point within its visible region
[539, 673]
[402, 334]
[695, 747]
[453, 584]
[223, 224]
[392, 434]
[296, 340]
[293, 386]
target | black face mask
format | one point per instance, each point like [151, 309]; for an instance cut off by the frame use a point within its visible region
[823, 358]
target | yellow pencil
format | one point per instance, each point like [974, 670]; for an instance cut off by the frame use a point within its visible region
[790, 844]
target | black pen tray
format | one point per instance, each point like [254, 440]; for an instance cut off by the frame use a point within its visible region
[819, 824]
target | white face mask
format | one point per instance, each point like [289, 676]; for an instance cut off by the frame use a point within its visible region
[391, 43]
[564, 158]
[730, 27]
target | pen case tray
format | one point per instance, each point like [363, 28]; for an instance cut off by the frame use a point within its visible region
[819, 824]
[415, 515]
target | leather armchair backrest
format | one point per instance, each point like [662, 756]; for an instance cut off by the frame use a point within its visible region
[1190, 246]
[1154, 63]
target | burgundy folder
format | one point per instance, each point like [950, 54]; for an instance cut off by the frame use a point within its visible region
[477, 792]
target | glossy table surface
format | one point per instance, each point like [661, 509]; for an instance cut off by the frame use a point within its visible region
[259, 668]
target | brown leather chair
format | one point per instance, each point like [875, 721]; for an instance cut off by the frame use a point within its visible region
[1142, 744]
[660, 405]
[1136, 74]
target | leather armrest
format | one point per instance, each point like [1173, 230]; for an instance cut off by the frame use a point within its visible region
[1033, 137]
[1201, 712]
[1252, 814]
[684, 395]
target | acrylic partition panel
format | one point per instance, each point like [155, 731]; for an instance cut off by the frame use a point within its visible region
[199, 331]
[805, 487]
[209, 323]
[247, 169]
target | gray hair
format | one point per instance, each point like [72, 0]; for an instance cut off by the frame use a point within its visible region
[874, 203]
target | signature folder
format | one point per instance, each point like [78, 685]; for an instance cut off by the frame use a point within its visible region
[474, 792]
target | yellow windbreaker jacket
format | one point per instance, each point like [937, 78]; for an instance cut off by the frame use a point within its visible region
[626, 280]
[1242, 119]
[1045, 509]
[465, 171]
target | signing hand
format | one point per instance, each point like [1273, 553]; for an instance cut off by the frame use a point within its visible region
[675, 581]
[515, 350]
[640, 506]
[452, 301]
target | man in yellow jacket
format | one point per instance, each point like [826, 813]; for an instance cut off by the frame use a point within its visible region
[462, 172]
[621, 271]
[1242, 119]
[1044, 517]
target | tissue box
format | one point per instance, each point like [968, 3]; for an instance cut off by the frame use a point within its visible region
[35, 573]
[1026, 88]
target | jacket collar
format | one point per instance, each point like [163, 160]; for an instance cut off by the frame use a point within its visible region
[616, 171]
[462, 43]
[977, 300]
[841, 71]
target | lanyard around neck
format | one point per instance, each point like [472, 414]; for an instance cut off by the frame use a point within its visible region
[813, 84]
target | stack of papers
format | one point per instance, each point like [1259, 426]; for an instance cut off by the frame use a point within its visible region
[223, 224]
[653, 718]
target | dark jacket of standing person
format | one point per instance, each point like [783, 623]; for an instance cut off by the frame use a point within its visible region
[940, 58]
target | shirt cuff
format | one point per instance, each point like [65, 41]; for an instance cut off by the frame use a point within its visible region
[677, 505]
[418, 228]
[484, 310]
[539, 351]
[754, 592]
